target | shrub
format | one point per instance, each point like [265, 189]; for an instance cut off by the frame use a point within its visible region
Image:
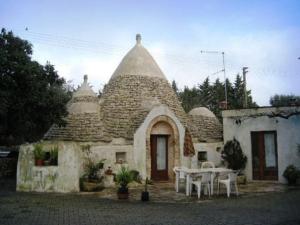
[291, 173]
[233, 155]
[91, 167]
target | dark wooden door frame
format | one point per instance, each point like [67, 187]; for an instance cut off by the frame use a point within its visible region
[264, 173]
[158, 175]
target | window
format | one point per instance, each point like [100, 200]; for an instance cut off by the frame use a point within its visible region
[202, 156]
[120, 157]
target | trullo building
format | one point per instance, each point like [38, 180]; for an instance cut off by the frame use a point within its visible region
[138, 122]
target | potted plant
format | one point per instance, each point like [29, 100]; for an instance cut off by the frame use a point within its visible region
[235, 159]
[54, 156]
[291, 174]
[91, 180]
[39, 154]
[123, 178]
[145, 193]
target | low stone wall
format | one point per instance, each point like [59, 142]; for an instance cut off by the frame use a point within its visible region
[8, 167]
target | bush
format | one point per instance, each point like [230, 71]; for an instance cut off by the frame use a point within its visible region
[291, 173]
[233, 155]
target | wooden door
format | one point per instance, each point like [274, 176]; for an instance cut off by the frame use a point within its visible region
[264, 155]
[159, 157]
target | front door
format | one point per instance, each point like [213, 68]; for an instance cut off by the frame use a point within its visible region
[159, 157]
[264, 155]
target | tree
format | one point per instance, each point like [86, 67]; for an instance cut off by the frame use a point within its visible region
[210, 95]
[32, 96]
[205, 93]
[284, 100]
[175, 88]
[238, 90]
[189, 98]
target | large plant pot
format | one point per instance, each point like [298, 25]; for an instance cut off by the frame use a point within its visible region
[123, 192]
[145, 196]
[92, 186]
[39, 162]
[123, 195]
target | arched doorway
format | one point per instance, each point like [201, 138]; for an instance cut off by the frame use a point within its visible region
[162, 148]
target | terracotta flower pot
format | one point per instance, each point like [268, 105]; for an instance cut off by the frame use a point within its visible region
[123, 195]
[39, 162]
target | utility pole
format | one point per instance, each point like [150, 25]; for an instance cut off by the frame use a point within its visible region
[245, 87]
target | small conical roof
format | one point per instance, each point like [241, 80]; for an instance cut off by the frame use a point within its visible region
[84, 100]
[85, 89]
[83, 123]
[138, 61]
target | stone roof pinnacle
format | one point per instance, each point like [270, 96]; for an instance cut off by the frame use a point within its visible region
[138, 39]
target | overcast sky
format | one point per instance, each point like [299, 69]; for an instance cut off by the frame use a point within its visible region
[91, 37]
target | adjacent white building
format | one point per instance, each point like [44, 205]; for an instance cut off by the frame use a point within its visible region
[269, 137]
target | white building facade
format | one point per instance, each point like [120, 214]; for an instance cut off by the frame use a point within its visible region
[269, 137]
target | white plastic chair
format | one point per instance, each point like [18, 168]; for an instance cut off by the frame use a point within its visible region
[180, 176]
[207, 164]
[231, 180]
[204, 179]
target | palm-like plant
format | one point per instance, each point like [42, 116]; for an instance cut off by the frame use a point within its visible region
[123, 178]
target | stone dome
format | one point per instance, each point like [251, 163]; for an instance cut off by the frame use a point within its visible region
[204, 125]
[201, 111]
[83, 123]
[138, 61]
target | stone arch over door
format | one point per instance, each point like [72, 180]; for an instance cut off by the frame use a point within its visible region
[164, 125]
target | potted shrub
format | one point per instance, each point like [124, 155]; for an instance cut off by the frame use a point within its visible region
[39, 154]
[54, 156]
[145, 193]
[91, 180]
[235, 159]
[123, 178]
[291, 174]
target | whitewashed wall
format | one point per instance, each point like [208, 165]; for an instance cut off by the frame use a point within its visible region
[288, 134]
[213, 151]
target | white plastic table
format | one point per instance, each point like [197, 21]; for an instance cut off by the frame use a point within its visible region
[189, 172]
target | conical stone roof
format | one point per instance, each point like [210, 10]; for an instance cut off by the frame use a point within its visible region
[137, 85]
[138, 61]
